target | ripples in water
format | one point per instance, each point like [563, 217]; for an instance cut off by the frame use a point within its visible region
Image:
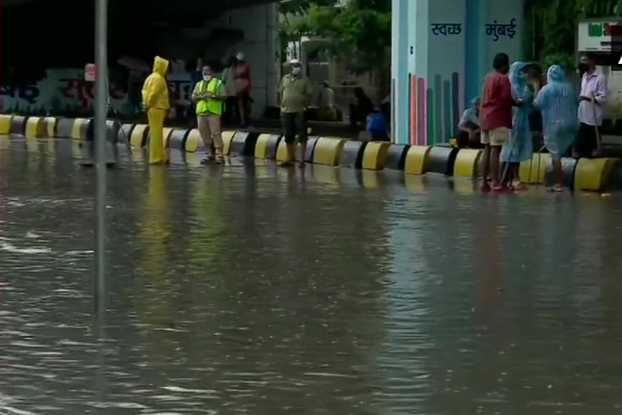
[260, 291]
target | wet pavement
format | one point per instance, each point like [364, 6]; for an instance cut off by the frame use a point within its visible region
[252, 290]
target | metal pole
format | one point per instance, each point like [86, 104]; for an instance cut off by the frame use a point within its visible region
[101, 105]
[100, 101]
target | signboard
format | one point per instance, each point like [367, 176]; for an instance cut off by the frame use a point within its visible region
[595, 36]
[90, 72]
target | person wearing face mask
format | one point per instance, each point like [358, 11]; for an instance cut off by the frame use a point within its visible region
[210, 95]
[591, 108]
[296, 93]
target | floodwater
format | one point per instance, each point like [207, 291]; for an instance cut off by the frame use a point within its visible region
[251, 290]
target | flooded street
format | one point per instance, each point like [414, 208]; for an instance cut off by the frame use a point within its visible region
[252, 290]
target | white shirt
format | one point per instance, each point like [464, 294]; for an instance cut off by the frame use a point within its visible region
[593, 85]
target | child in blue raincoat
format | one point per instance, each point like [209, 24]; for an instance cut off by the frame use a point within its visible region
[520, 145]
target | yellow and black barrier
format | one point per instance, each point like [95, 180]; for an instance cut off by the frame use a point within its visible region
[50, 124]
[243, 144]
[5, 124]
[35, 127]
[352, 154]
[64, 128]
[18, 125]
[585, 174]
[266, 146]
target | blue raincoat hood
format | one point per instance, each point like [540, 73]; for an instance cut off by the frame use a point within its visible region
[517, 81]
[555, 74]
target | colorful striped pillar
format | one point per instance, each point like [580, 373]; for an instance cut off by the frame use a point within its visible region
[441, 50]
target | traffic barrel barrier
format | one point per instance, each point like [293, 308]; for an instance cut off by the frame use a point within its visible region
[396, 156]
[193, 141]
[125, 133]
[177, 139]
[82, 129]
[50, 126]
[243, 144]
[309, 148]
[533, 171]
[416, 159]
[35, 127]
[327, 151]
[375, 156]
[593, 174]
[467, 163]
[266, 146]
[64, 128]
[112, 130]
[441, 160]
[352, 154]
[18, 125]
[5, 124]
[138, 138]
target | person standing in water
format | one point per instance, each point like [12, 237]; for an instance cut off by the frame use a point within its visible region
[296, 93]
[591, 108]
[519, 147]
[557, 102]
[495, 119]
[156, 103]
[209, 95]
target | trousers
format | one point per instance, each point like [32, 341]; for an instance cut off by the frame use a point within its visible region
[158, 154]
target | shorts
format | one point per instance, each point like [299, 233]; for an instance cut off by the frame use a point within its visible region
[294, 127]
[496, 138]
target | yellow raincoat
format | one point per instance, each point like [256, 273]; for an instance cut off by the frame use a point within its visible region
[156, 102]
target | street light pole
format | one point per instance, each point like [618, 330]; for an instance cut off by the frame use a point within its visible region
[101, 111]
[101, 104]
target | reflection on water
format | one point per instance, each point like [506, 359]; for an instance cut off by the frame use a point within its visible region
[254, 290]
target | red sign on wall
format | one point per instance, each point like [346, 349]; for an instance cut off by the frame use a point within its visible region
[90, 72]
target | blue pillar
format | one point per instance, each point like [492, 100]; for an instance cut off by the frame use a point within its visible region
[441, 50]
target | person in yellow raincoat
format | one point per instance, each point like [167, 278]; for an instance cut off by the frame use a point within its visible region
[156, 103]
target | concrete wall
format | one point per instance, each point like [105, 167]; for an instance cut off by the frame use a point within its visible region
[442, 50]
[65, 89]
[260, 47]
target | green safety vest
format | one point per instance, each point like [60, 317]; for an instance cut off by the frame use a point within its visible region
[210, 105]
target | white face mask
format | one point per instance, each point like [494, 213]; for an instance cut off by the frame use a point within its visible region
[296, 71]
[207, 77]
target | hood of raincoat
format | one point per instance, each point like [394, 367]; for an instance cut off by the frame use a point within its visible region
[160, 66]
[555, 74]
[517, 80]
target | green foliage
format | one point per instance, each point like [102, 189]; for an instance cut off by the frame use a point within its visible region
[357, 33]
[551, 25]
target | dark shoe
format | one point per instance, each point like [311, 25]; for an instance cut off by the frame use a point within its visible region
[286, 164]
[301, 165]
